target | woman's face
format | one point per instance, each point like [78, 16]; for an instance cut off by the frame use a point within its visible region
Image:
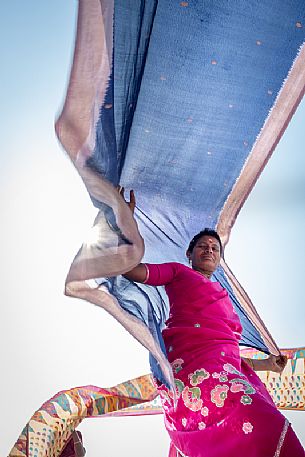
[206, 254]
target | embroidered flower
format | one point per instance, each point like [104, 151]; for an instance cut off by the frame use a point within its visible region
[204, 411]
[247, 427]
[223, 377]
[164, 396]
[179, 388]
[237, 387]
[201, 425]
[191, 398]
[219, 394]
[184, 422]
[247, 387]
[177, 365]
[198, 376]
[246, 400]
[231, 369]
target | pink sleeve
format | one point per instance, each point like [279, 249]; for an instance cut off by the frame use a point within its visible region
[160, 274]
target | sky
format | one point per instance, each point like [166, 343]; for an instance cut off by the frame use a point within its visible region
[50, 342]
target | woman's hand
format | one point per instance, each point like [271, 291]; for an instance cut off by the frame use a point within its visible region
[132, 199]
[276, 363]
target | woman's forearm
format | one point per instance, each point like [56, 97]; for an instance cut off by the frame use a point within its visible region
[137, 274]
[257, 364]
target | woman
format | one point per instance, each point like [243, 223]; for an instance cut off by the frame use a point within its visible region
[223, 409]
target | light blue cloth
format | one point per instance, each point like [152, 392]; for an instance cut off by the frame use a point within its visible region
[191, 87]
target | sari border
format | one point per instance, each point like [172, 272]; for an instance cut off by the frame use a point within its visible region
[286, 103]
[250, 309]
[282, 438]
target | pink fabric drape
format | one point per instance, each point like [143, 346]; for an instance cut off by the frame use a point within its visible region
[222, 406]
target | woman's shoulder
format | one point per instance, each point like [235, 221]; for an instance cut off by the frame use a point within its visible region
[177, 265]
[179, 268]
[167, 271]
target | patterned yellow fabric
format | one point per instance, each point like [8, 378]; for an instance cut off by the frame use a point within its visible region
[288, 388]
[50, 428]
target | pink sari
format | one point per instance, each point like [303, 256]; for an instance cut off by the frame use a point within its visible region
[223, 409]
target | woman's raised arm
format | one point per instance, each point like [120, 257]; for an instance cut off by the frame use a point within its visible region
[138, 273]
[274, 363]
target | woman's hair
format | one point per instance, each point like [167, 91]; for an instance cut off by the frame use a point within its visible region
[207, 231]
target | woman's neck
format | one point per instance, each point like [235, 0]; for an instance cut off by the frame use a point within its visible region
[207, 274]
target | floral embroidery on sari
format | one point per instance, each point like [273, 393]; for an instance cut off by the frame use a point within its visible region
[231, 369]
[177, 365]
[219, 394]
[236, 387]
[168, 396]
[191, 398]
[222, 376]
[164, 396]
[246, 400]
[239, 385]
[247, 427]
[204, 411]
[198, 376]
[179, 387]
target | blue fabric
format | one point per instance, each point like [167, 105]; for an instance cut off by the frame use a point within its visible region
[191, 86]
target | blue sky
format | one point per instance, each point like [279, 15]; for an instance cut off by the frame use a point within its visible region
[51, 342]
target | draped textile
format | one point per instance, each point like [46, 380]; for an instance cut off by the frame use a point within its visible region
[62, 413]
[288, 388]
[186, 118]
[221, 403]
[184, 102]
[51, 426]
